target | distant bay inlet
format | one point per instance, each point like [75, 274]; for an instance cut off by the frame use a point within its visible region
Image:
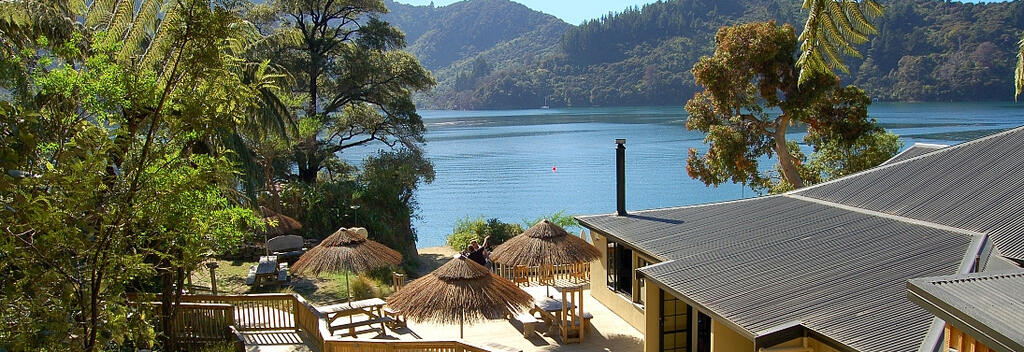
[522, 164]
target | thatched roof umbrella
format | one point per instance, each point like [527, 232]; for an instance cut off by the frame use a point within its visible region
[285, 224]
[459, 291]
[544, 243]
[347, 250]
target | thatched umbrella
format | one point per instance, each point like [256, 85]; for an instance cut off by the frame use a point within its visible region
[459, 291]
[347, 250]
[285, 224]
[544, 243]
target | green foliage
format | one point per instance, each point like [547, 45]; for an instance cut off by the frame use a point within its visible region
[924, 51]
[751, 73]
[559, 218]
[832, 29]
[470, 229]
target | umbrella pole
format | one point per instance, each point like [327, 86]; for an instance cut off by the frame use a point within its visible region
[462, 318]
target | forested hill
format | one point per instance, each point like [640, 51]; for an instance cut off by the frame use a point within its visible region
[440, 36]
[927, 50]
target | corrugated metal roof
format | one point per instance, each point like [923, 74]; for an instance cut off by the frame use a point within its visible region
[764, 263]
[975, 185]
[916, 150]
[988, 307]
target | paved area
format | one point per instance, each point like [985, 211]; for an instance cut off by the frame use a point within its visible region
[607, 333]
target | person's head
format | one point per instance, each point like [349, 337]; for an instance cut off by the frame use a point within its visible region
[474, 244]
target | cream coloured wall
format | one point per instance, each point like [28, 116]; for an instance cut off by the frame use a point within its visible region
[724, 339]
[617, 303]
[652, 312]
[811, 344]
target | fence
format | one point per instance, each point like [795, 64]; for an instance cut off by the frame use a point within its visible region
[203, 316]
[575, 271]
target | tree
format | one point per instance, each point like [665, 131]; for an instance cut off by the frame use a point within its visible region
[752, 73]
[113, 181]
[832, 29]
[358, 87]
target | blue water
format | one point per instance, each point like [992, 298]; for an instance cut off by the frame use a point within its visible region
[522, 164]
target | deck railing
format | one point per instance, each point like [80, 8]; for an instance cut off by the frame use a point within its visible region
[400, 346]
[205, 314]
[579, 271]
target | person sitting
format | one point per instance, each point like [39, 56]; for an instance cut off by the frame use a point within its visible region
[478, 254]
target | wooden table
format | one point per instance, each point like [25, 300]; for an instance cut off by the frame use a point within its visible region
[549, 308]
[268, 270]
[372, 308]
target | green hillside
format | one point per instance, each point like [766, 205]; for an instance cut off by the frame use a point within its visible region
[927, 50]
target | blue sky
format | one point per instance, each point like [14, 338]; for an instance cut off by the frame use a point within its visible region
[572, 11]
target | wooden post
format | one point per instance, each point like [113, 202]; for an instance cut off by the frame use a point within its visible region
[213, 276]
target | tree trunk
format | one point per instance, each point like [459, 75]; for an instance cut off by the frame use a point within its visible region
[786, 161]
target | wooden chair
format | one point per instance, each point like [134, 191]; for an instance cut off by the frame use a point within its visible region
[546, 274]
[521, 275]
[397, 318]
[580, 272]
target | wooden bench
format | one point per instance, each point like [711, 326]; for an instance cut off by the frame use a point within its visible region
[397, 319]
[529, 323]
[351, 327]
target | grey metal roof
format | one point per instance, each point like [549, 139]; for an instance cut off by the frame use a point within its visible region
[988, 307]
[763, 264]
[975, 185]
[916, 150]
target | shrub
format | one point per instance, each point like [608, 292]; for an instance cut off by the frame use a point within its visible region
[468, 229]
[559, 218]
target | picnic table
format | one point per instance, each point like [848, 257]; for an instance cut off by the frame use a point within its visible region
[547, 301]
[549, 307]
[267, 270]
[372, 308]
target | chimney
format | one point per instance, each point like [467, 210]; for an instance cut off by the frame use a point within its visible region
[620, 176]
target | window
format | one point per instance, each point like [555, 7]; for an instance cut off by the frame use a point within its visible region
[675, 324]
[640, 294]
[675, 321]
[620, 269]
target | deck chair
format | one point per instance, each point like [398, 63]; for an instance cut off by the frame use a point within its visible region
[546, 274]
[397, 318]
[580, 272]
[521, 275]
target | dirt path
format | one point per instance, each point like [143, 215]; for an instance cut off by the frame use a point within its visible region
[432, 258]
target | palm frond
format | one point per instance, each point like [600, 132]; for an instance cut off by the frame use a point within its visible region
[834, 27]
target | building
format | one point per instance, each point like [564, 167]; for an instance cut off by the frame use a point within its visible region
[982, 312]
[822, 268]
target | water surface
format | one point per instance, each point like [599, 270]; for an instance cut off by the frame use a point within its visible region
[522, 164]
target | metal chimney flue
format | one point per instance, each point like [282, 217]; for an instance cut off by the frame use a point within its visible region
[620, 176]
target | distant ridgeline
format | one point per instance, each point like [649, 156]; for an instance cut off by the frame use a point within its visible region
[497, 54]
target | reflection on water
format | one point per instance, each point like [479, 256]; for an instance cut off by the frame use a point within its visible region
[522, 164]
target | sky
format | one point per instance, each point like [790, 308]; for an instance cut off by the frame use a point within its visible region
[574, 11]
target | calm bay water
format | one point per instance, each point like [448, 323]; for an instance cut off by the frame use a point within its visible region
[523, 164]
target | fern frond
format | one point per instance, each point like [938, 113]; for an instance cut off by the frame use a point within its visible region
[833, 27]
[156, 54]
[1018, 77]
[99, 13]
[139, 29]
[120, 19]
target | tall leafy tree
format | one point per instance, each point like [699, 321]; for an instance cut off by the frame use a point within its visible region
[752, 73]
[832, 29]
[113, 180]
[357, 84]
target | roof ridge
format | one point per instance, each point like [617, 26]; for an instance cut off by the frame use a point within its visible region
[886, 215]
[642, 211]
[885, 166]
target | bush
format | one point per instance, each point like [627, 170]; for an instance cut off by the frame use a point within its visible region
[468, 229]
[559, 218]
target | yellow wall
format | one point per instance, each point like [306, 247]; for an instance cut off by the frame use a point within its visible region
[617, 303]
[812, 344]
[724, 339]
[653, 307]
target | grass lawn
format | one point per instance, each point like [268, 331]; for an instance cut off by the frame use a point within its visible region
[326, 289]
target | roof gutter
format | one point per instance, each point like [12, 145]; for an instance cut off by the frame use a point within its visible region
[703, 309]
[972, 261]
